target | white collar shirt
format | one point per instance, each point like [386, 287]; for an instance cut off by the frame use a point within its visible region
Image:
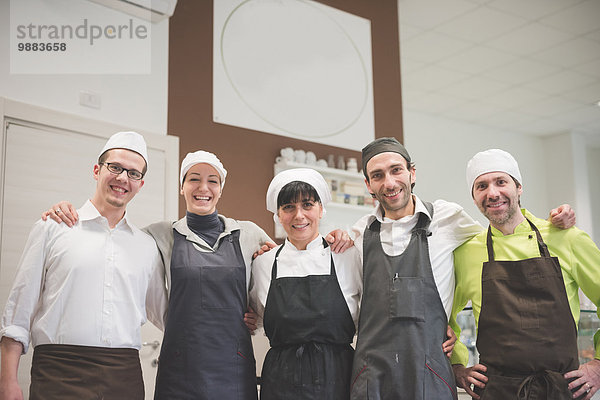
[450, 227]
[315, 260]
[84, 285]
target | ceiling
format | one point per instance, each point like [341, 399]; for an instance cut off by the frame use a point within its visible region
[525, 66]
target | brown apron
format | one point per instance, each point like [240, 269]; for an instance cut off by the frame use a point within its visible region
[69, 372]
[526, 337]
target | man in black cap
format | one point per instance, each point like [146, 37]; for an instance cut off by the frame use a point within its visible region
[406, 247]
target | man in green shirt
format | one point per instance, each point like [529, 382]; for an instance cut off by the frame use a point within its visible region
[522, 277]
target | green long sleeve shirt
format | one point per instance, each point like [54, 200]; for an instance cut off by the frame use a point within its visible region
[578, 255]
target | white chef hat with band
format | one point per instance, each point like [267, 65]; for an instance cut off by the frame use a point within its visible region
[127, 140]
[202, 157]
[492, 160]
[305, 175]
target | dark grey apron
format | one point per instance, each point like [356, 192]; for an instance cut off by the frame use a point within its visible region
[310, 330]
[402, 323]
[207, 352]
[526, 335]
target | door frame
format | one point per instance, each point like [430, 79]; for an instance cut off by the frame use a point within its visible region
[27, 113]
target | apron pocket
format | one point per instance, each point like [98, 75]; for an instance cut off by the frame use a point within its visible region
[438, 382]
[359, 380]
[406, 298]
[246, 369]
[217, 285]
[529, 313]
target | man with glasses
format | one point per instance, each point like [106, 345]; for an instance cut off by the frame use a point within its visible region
[79, 296]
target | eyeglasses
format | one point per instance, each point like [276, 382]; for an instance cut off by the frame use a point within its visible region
[117, 170]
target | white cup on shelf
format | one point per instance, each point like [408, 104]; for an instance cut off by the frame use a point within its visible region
[287, 153]
[300, 156]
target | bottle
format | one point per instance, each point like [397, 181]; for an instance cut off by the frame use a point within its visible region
[341, 164]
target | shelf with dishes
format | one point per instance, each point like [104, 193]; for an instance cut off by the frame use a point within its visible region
[348, 190]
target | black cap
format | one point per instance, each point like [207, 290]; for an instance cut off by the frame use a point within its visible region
[382, 145]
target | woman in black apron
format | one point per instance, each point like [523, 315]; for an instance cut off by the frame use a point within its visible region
[307, 295]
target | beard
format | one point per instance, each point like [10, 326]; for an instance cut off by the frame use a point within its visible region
[393, 206]
[500, 218]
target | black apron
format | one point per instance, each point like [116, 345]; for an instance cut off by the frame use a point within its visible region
[207, 351]
[402, 323]
[526, 336]
[73, 372]
[310, 330]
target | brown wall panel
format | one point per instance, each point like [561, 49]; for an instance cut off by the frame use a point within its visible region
[249, 155]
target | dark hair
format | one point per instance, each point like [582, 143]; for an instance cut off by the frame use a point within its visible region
[296, 191]
[518, 186]
[104, 156]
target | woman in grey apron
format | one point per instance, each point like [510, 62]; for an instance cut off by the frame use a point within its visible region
[307, 295]
[207, 351]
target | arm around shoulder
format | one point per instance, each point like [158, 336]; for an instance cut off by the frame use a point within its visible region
[252, 236]
[452, 220]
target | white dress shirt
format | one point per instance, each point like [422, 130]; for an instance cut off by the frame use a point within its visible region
[84, 285]
[315, 260]
[451, 226]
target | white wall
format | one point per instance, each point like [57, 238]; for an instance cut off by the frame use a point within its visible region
[137, 101]
[556, 169]
[593, 158]
[568, 175]
[442, 147]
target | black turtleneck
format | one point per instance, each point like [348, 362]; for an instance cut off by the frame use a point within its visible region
[208, 227]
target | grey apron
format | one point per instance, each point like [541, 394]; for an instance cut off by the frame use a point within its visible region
[526, 335]
[207, 351]
[402, 323]
[310, 330]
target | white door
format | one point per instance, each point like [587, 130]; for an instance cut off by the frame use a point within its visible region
[43, 165]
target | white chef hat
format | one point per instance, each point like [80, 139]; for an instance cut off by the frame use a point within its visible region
[127, 140]
[202, 157]
[492, 160]
[306, 175]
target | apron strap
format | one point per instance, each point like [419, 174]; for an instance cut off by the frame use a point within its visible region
[274, 267]
[316, 367]
[331, 267]
[554, 383]
[544, 252]
[422, 226]
[543, 248]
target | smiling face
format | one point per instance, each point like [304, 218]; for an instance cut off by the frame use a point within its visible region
[497, 196]
[390, 179]
[201, 189]
[300, 220]
[115, 191]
